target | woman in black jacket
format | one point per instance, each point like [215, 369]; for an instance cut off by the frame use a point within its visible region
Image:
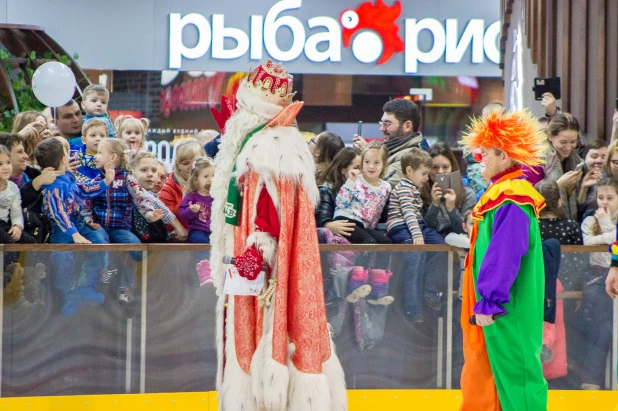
[329, 183]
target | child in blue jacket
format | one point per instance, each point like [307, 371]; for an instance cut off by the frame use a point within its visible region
[62, 204]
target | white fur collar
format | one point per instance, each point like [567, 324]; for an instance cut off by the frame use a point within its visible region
[280, 152]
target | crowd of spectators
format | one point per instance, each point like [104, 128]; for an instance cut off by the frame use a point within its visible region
[71, 175]
[579, 180]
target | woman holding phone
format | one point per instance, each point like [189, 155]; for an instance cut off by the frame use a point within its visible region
[445, 208]
[561, 162]
[32, 126]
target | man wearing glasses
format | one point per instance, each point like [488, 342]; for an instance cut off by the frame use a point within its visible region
[399, 124]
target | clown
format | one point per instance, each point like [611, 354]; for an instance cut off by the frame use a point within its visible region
[274, 351]
[503, 285]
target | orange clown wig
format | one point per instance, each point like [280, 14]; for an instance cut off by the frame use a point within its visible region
[517, 134]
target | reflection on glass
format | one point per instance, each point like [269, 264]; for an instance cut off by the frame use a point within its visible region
[164, 340]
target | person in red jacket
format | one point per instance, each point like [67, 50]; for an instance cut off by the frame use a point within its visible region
[187, 151]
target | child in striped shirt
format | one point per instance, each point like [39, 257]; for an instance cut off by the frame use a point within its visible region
[405, 225]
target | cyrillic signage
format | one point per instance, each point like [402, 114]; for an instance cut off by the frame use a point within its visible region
[370, 31]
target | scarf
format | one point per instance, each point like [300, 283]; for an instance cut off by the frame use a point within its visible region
[232, 205]
[396, 144]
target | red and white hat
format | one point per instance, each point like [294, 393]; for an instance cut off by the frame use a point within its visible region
[266, 90]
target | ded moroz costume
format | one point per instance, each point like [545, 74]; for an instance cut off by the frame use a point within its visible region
[274, 353]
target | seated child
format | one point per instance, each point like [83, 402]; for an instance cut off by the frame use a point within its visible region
[405, 225]
[94, 101]
[195, 206]
[114, 212]
[187, 151]
[361, 201]
[161, 178]
[597, 313]
[62, 204]
[11, 217]
[144, 167]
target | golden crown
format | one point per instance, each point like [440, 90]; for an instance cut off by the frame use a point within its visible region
[272, 82]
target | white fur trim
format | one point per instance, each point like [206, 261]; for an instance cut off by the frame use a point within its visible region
[222, 237]
[249, 100]
[280, 153]
[336, 380]
[266, 245]
[308, 392]
[270, 378]
[276, 379]
[236, 392]
[220, 332]
[257, 362]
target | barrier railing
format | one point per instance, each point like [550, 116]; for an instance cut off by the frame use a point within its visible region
[163, 341]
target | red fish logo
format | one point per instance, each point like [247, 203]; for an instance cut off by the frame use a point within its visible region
[368, 46]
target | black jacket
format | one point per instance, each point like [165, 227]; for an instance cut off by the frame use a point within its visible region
[326, 209]
[551, 262]
[36, 223]
[30, 197]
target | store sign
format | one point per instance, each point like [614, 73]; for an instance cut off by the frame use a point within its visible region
[199, 93]
[370, 31]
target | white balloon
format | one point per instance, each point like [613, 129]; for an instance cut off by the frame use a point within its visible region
[53, 84]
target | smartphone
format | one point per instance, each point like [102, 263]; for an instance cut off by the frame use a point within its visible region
[617, 104]
[579, 167]
[449, 180]
[360, 128]
[546, 85]
[444, 181]
[73, 154]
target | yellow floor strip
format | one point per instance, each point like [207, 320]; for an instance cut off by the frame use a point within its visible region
[359, 400]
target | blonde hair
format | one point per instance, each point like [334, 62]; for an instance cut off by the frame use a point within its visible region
[94, 122]
[139, 157]
[611, 150]
[65, 144]
[95, 89]
[188, 148]
[24, 118]
[377, 146]
[119, 147]
[124, 123]
[199, 165]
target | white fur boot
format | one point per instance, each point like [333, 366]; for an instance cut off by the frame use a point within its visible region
[336, 381]
[308, 392]
[236, 391]
[272, 379]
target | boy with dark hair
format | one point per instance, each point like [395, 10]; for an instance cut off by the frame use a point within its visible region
[62, 204]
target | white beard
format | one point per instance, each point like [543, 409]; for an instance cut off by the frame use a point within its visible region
[238, 126]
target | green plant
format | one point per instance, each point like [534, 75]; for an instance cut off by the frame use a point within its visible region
[21, 82]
